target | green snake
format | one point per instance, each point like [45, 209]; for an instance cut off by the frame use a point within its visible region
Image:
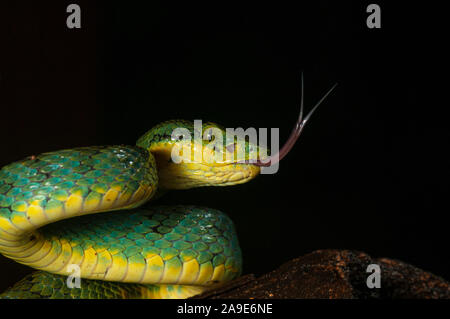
[49, 219]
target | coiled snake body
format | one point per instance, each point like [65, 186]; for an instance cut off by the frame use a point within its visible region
[156, 252]
[160, 252]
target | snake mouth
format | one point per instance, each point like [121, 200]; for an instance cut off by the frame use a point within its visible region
[295, 134]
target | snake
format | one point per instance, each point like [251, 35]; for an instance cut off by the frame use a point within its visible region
[86, 210]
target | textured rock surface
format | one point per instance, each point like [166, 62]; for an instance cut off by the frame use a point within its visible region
[336, 274]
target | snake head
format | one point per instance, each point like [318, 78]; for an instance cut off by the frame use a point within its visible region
[191, 154]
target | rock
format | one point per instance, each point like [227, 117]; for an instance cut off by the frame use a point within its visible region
[335, 274]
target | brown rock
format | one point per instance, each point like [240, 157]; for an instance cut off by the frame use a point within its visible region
[335, 274]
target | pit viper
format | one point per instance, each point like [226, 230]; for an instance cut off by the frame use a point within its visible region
[50, 205]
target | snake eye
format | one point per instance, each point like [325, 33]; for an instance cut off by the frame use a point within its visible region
[177, 138]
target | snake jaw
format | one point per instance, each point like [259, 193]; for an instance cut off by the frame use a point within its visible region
[190, 175]
[296, 132]
[181, 174]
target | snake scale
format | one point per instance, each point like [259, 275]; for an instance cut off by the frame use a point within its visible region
[49, 219]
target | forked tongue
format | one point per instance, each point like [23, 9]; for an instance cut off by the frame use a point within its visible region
[295, 134]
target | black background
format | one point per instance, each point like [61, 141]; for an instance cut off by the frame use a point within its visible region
[370, 171]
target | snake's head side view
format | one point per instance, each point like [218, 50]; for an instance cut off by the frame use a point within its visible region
[190, 155]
